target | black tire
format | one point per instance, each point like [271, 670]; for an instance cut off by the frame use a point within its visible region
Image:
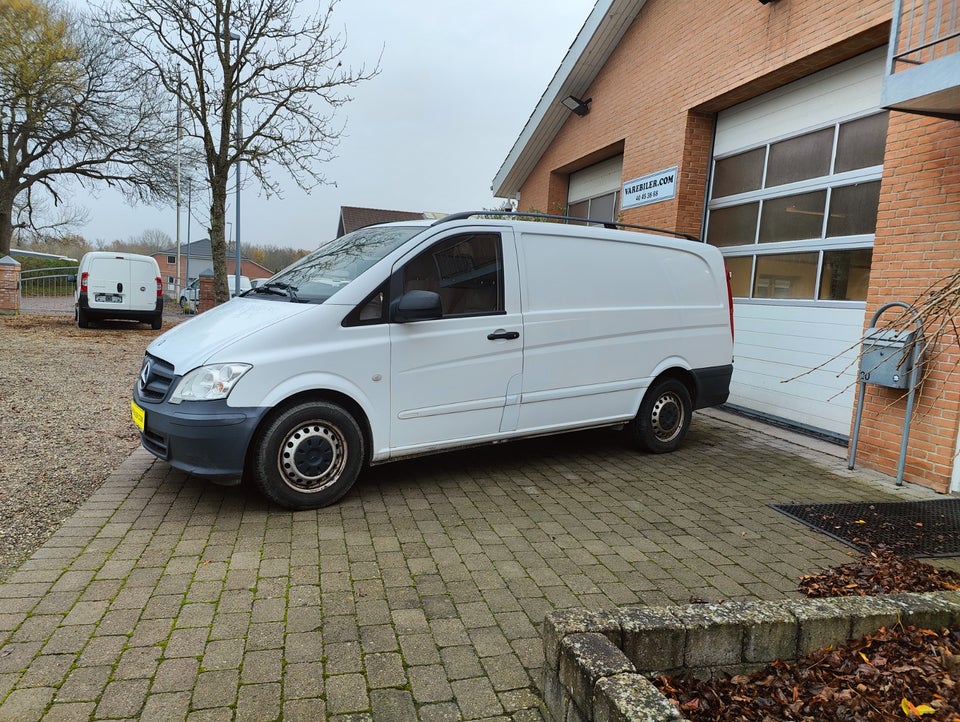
[664, 417]
[82, 320]
[156, 322]
[308, 455]
[183, 301]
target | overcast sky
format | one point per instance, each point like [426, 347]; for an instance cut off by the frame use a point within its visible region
[459, 80]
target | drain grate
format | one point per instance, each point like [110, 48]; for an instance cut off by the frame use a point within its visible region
[909, 528]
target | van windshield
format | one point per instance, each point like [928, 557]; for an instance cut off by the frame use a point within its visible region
[314, 278]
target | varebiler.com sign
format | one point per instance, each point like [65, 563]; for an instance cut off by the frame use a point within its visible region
[653, 188]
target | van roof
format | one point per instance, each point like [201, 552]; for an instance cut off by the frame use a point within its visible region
[119, 255]
[546, 217]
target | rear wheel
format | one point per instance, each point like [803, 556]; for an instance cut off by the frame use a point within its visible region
[664, 417]
[308, 455]
[82, 320]
[156, 322]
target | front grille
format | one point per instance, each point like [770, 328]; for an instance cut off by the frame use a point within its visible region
[156, 378]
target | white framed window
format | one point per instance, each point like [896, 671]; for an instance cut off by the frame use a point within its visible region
[600, 209]
[795, 217]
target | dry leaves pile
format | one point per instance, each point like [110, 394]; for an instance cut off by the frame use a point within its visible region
[880, 572]
[896, 674]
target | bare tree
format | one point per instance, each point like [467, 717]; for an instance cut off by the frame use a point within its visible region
[150, 241]
[278, 60]
[72, 109]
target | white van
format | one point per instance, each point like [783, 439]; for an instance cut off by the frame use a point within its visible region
[124, 286]
[191, 293]
[408, 338]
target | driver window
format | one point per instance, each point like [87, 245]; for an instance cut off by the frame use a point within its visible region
[465, 270]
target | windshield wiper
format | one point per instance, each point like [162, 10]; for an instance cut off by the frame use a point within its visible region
[285, 289]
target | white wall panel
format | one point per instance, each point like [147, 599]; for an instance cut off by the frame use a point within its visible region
[846, 89]
[816, 347]
[598, 179]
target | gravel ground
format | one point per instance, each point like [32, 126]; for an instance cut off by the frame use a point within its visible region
[64, 420]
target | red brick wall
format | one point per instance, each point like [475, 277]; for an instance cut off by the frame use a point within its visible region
[208, 297]
[678, 65]
[9, 288]
[917, 243]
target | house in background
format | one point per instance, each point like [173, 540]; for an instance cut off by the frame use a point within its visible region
[197, 257]
[353, 218]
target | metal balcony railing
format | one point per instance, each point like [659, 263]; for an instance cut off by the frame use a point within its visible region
[923, 68]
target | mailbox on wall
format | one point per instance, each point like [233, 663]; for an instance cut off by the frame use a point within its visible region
[891, 357]
[886, 357]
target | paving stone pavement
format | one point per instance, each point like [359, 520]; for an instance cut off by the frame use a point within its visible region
[420, 596]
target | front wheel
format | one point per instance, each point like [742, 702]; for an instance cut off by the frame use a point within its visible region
[664, 417]
[308, 455]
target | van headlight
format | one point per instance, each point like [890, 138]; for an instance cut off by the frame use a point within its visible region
[208, 383]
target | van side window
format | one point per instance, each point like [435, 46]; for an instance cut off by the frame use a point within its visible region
[465, 270]
[370, 310]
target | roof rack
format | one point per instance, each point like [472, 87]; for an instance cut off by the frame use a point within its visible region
[568, 219]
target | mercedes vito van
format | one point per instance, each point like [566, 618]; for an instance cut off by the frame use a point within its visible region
[408, 338]
[125, 286]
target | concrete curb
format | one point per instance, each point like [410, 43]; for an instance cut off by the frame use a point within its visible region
[597, 664]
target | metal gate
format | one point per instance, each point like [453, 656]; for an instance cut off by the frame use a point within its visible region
[48, 289]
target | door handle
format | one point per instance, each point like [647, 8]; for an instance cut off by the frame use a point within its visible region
[500, 333]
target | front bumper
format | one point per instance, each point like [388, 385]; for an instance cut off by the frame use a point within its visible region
[206, 438]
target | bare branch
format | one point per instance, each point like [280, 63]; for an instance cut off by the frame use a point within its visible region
[276, 61]
[73, 108]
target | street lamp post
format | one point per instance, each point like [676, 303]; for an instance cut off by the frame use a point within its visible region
[237, 268]
[178, 283]
[189, 212]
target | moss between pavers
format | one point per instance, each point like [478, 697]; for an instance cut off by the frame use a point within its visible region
[597, 663]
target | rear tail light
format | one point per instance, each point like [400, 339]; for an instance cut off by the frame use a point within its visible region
[159, 287]
[730, 301]
[83, 281]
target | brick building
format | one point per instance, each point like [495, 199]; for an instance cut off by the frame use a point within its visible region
[818, 145]
[197, 257]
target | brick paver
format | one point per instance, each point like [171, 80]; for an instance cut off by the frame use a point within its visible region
[419, 596]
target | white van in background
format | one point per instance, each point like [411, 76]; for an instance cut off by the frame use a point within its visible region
[410, 338]
[125, 286]
[191, 293]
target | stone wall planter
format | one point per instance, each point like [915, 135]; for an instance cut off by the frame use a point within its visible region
[598, 663]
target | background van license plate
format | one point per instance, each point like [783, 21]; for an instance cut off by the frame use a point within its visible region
[107, 297]
[138, 414]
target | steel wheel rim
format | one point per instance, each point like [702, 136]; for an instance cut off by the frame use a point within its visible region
[667, 417]
[312, 456]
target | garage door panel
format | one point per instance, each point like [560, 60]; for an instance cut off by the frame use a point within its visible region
[775, 343]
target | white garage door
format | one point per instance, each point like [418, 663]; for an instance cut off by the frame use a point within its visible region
[594, 192]
[793, 203]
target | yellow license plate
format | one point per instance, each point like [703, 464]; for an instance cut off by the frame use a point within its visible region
[138, 414]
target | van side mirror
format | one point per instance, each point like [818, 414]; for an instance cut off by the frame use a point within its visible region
[416, 306]
[71, 279]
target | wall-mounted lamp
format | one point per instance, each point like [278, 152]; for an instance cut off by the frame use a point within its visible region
[580, 107]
